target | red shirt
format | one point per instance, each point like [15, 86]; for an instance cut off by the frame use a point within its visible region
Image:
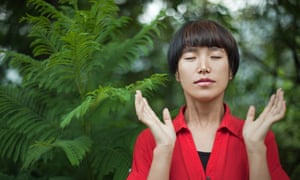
[228, 159]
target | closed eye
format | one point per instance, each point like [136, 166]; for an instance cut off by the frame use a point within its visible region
[189, 58]
[216, 57]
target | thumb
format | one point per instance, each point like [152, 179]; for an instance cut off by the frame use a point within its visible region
[250, 115]
[167, 117]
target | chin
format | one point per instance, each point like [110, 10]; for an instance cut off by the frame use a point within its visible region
[206, 97]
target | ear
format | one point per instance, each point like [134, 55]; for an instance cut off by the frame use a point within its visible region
[230, 75]
[177, 76]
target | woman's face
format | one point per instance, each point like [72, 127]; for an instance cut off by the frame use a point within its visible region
[203, 72]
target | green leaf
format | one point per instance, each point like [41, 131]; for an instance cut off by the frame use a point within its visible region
[75, 149]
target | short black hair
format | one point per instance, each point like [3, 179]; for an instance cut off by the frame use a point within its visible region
[203, 33]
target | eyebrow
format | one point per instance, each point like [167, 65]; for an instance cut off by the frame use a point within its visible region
[189, 49]
[214, 48]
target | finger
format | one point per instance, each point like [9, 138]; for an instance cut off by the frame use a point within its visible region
[150, 114]
[282, 97]
[267, 109]
[148, 109]
[282, 104]
[280, 114]
[143, 110]
[167, 117]
[250, 115]
[277, 101]
[278, 110]
[283, 109]
[278, 107]
[138, 104]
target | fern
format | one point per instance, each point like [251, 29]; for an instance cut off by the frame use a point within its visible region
[46, 41]
[75, 149]
[131, 48]
[111, 154]
[13, 144]
[29, 68]
[94, 98]
[22, 118]
[78, 112]
[44, 9]
[113, 159]
[67, 108]
[36, 151]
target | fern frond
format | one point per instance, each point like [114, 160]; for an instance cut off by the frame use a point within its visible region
[44, 9]
[113, 160]
[73, 60]
[78, 48]
[148, 85]
[11, 96]
[94, 98]
[20, 104]
[23, 120]
[105, 22]
[29, 68]
[75, 149]
[12, 144]
[103, 8]
[115, 154]
[78, 112]
[36, 151]
[44, 30]
[130, 49]
[46, 41]
[73, 3]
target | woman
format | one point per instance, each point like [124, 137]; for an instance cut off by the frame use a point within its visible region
[205, 141]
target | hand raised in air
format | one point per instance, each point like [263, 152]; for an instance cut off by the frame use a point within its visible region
[254, 131]
[164, 133]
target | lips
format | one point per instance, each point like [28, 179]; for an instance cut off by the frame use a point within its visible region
[204, 80]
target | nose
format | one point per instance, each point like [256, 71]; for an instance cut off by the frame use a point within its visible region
[203, 66]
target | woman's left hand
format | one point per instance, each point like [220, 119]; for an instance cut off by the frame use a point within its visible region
[254, 131]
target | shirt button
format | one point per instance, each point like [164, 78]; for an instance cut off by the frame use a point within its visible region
[207, 178]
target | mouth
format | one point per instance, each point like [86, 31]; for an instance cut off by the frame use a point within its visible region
[204, 82]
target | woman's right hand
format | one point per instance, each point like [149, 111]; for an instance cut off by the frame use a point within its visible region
[164, 133]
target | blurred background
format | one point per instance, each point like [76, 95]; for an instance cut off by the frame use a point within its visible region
[268, 35]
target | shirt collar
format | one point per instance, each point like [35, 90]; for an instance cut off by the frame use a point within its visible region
[229, 122]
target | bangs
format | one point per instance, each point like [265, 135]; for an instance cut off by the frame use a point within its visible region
[197, 35]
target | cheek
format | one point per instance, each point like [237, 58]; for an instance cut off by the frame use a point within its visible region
[187, 67]
[223, 69]
[184, 72]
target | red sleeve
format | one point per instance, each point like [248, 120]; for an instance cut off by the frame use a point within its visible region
[142, 156]
[276, 171]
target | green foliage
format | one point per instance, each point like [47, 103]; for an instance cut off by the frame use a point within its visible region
[123, 95]
[71, 97]
[71, 107]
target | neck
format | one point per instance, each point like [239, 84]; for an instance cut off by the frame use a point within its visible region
[204, 114]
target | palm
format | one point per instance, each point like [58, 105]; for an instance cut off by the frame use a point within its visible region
[255, 131]
[163, 133]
